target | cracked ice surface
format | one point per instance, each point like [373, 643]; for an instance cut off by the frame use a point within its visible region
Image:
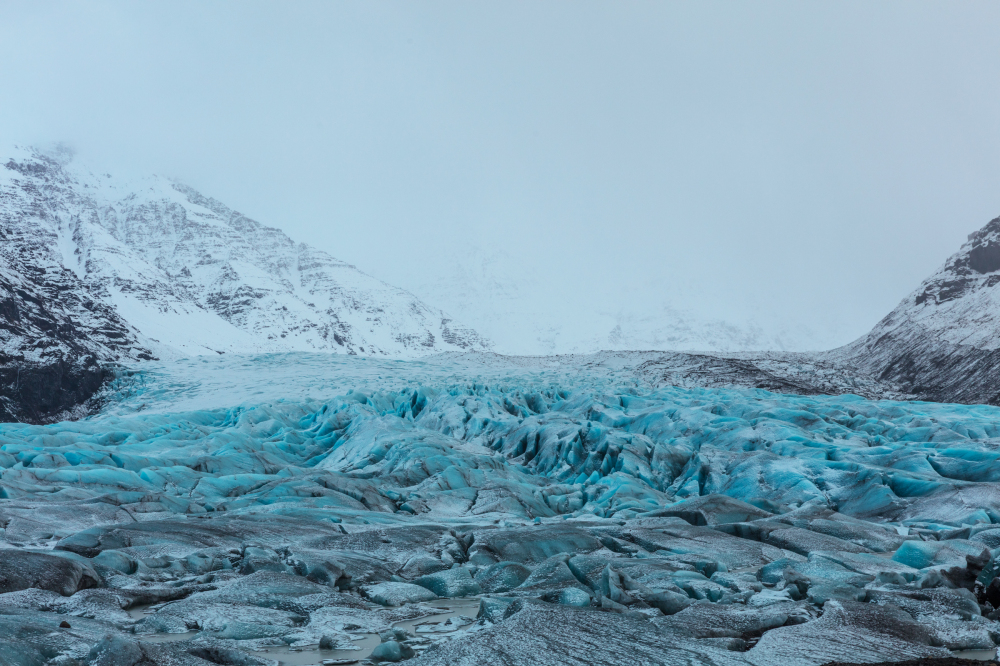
[286, 501]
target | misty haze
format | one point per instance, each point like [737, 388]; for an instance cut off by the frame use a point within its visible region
[504, 333]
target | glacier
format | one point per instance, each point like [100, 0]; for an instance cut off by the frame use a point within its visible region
[467, 509]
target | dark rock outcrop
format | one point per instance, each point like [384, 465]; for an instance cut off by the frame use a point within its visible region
[56, 341]
[51, 390]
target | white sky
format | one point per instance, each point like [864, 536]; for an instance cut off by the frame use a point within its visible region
[809, 161]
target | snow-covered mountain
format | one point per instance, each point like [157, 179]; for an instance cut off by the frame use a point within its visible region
[152, 267]
[97, 269]
[502, 297]
[942, 342]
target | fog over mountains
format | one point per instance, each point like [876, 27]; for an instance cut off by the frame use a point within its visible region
[170, 272]
[506, 299]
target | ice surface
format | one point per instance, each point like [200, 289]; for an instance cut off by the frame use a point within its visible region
[277, 502]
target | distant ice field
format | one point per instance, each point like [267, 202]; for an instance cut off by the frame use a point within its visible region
[213, 382]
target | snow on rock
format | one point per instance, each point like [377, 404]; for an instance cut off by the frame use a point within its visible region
[145, 265]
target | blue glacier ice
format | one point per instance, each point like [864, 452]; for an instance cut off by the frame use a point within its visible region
[346, 496]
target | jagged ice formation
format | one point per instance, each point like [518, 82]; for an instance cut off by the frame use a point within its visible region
[596, 517]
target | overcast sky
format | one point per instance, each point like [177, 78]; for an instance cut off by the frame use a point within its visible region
[813, 161]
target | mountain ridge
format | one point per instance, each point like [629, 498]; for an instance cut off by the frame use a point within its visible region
[96, 271]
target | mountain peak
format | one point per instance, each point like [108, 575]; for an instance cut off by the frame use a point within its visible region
[942, 342]
[960, 302]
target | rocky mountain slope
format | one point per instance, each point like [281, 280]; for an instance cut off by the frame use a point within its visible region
[942, 342]
[97, 269]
